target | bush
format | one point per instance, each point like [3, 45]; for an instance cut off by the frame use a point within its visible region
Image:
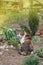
[39, 52]
[1, 38]
[12, 41]
[10, 33]
[33, 23]
[36, 39]
[32, 60]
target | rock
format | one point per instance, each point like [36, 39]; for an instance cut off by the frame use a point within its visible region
[32, 52]
[41, 36]
[3, 47]
[6, 49]
[11, 46]
[1, 52]
[41, 32]
[37, 34]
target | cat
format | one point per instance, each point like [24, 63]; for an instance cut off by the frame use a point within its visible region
[26, 45]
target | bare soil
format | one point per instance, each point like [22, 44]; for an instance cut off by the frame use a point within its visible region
[11, 56]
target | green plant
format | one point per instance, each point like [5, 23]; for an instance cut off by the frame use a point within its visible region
[36, 39]
[32, 60]
[33, 23]
[9, 33]
[39, 52]
[15, 43]
[12, 41]
[1, 38]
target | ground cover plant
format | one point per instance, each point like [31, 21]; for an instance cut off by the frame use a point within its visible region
[9, 33]
[36, 39]
[1, 38]
[32, 60]
[10, 36]
[39, 53]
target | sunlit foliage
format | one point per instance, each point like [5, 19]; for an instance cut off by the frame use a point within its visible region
[9, 7]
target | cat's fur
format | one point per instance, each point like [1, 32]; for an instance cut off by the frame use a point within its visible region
[27, 46]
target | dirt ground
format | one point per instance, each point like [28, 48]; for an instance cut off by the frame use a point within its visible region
[11, 56]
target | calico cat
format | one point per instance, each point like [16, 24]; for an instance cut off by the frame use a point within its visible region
[26, 46]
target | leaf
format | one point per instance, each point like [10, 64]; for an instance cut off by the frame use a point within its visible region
[33, 22]
[23, 27]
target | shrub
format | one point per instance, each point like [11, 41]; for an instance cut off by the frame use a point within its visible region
[9, 33]
[1, 38]
[36, 39]
[12, 41]
[32, 60]
[39, 52]
[33, 23]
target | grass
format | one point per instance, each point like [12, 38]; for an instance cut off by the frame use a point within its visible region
[19, 15]
[14, 16]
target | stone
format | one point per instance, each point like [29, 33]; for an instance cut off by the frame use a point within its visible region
[41, 36]
[37, 34]
[1, 52]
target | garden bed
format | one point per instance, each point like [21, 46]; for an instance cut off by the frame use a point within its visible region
[11, 56]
